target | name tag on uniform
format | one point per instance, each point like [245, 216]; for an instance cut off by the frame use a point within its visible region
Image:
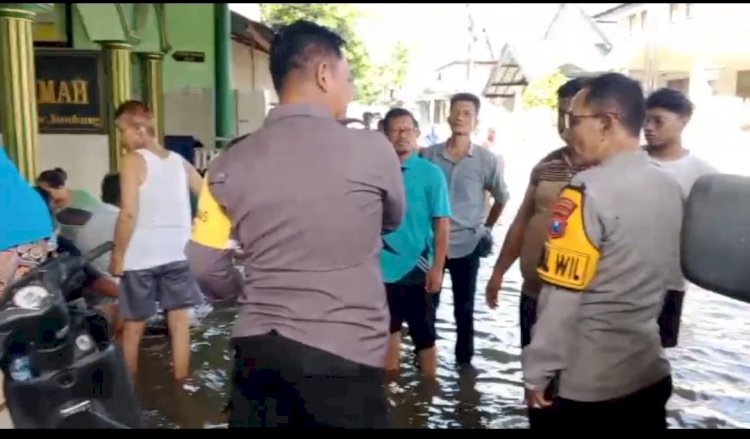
[563, 267]
[569, 258]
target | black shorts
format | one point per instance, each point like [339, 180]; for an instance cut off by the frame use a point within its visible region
[278, 382]
[412, 304]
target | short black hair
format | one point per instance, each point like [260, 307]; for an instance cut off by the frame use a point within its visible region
[624, 93]
[296, 44]
[466, 97]
[570, 88]
[671, 100]
[111, 188]
[397, 112]
[55, 178]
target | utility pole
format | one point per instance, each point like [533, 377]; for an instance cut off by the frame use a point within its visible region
[469, 60]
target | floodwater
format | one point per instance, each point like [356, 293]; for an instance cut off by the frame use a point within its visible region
[711, 367]
[711, 370]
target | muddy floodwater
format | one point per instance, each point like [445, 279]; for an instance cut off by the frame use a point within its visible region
[711, 367]
[711, 370]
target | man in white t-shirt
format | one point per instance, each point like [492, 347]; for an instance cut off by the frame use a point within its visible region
[668, 111]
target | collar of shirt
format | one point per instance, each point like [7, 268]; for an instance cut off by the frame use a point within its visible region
[446, 155]
[627, 158]
[291, 110]
[409, 162]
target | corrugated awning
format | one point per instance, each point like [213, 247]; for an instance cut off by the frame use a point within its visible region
[251, 32]
[520, 65]
[504, 80]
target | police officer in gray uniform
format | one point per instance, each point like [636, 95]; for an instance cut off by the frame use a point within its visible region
[308, 201]
[612, 243]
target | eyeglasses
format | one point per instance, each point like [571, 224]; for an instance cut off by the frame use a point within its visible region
[398, 132]
[570, 120]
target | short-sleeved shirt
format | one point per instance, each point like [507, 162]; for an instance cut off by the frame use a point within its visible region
[548, 178]
[603, 336]
[468, 178]
[81, 200]
[426, 199]
[310, 230]
[99, 229]
[685, 171]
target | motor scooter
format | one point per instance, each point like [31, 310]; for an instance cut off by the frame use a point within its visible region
[60, 366]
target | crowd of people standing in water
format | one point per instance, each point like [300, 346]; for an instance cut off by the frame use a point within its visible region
[329, 239]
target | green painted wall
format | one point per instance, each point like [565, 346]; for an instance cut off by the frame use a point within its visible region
[190, 27]
[80, 37]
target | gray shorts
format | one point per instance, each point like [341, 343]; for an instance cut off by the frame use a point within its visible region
[172, 285]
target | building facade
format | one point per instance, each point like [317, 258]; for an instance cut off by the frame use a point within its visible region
[66, 67]
[695, 47]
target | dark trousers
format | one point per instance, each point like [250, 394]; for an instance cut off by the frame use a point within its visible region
[669, 327]
[669, 318]
[279, 383]
[463, 273]
[539, 418]
[643, 410]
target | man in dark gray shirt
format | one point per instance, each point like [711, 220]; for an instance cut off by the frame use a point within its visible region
[307, 199]
[471, 171]
[612, 241]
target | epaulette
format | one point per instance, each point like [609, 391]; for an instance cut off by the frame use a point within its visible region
[237, 140]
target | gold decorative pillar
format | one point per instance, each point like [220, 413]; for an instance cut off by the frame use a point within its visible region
[153, 89]
[17, 80]
[117, 71]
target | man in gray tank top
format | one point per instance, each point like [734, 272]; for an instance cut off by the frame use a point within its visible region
[612, 240]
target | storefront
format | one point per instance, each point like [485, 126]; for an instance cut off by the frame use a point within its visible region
[64, 68]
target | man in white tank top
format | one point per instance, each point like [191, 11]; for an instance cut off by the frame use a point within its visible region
[668, 111]
[152, 230]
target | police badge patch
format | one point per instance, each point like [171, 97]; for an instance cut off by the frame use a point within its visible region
[562, 208]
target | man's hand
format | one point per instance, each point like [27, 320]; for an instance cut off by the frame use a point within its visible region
[535, 399]
[434, 280]
[493, 290]
[116, 265]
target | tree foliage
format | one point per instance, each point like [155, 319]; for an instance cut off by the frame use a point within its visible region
[399, 64]
[392, 74]
[340, 17]
[542, 92]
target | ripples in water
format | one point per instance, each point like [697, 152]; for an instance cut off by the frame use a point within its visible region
[711, 370]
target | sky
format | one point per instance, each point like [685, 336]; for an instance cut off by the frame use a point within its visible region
[437, 34]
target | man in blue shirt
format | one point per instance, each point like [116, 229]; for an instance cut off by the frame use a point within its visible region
[25, 224]
[414, 255]
[471, 171]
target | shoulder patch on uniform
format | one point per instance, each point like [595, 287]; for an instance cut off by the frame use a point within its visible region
[562, 208]
[211, 227]
[569, 259]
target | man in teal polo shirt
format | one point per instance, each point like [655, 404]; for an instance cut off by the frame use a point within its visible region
[414, 255]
